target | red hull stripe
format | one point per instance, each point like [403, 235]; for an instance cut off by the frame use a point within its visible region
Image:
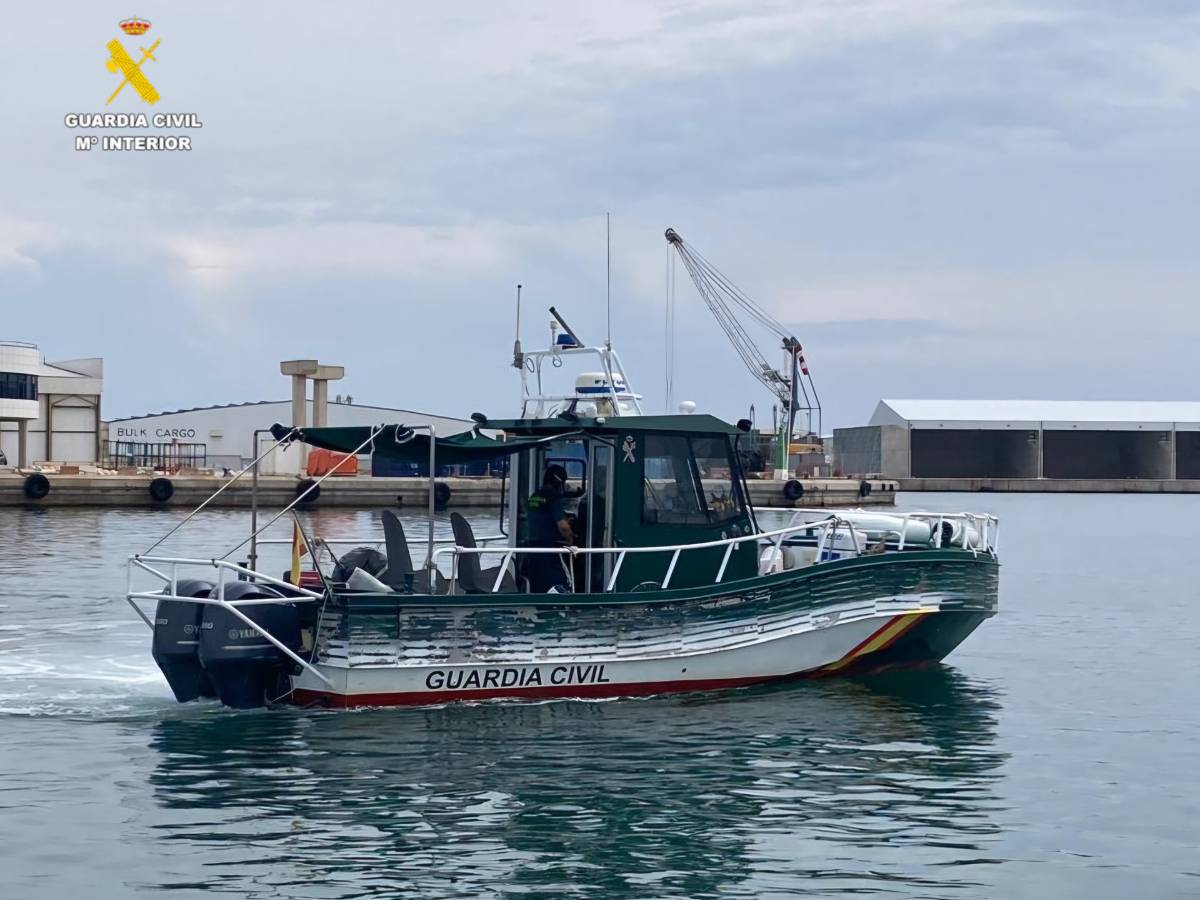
[304, 697]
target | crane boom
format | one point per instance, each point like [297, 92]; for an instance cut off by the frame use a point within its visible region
[792, 386]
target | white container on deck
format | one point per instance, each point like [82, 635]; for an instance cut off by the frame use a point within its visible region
[881, 526]
[843, 542]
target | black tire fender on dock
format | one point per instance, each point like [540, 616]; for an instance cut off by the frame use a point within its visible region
[36, 486]
[864, 488]
[161, 490]
[312, 495]
[793, 490]
[441, 495]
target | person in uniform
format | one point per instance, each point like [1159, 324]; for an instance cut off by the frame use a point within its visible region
[549, 526]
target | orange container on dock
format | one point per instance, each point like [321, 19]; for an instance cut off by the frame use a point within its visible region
[321, 462]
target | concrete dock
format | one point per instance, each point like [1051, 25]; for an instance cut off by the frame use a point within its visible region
[1055, 485]
[367, 492]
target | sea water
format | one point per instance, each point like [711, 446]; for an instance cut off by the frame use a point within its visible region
[1054, 755]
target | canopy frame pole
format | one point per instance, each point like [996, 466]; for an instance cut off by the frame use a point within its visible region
[429, 563]
[221, 489]
[254, 501]
[375, 432]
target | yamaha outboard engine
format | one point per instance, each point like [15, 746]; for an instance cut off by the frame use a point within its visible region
[246, 669]
[177, 641]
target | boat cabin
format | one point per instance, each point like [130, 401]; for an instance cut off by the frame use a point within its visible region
[620, 483]
[635, 481]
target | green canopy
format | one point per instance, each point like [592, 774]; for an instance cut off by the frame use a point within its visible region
[410, 446]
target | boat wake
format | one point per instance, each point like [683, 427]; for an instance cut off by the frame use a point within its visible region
[40, 686]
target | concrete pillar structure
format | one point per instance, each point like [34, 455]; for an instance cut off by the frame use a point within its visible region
[49, 398]
[1041, 452]
[23, 443]
[301, 371]
[299, 401]
[320, 402]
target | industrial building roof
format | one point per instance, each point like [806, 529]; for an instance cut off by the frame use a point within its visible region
[288, 403]
[1099, 415]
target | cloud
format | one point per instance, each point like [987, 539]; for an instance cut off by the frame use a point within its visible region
[352, 249]
[23, 241]
[916, 186]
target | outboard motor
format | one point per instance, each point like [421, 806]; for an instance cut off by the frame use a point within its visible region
[242, 664]
[177, 641]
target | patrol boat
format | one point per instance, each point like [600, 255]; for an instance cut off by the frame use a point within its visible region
[671, 580]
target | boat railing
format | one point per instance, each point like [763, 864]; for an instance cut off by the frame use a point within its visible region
[154, 565]
[825, 532]
[982, 536]
[535, 400]
[373, 541]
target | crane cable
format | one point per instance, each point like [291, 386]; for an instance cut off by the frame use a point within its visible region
[723, 297]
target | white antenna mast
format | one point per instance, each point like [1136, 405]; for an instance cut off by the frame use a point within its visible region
[518, 357]
[608, 274]
[669, 331]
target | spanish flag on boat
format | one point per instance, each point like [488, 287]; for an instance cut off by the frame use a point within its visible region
[299, 549]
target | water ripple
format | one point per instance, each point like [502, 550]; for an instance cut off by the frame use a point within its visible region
[1047, 770]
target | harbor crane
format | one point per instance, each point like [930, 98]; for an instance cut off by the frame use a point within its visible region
[792, 385]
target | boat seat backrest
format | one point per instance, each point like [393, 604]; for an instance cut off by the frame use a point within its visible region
[472, 578]
[399, 559]
[469, 573]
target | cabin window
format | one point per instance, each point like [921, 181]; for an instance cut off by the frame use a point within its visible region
[571, 454]
[688, 482]
[719, 489]
[669, 490]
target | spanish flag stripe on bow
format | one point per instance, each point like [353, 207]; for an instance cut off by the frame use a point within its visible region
[299, 549]
[882, 638]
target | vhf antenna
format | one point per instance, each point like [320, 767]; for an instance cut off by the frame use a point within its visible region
[518, 356]
[608, 274]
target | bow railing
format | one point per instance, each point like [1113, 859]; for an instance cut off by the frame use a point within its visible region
[979, 539]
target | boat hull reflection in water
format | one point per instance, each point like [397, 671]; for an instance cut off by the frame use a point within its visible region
[451, 801]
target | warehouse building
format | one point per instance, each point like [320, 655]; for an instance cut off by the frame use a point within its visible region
[219, 437]
[49, 411]
[1024, 439]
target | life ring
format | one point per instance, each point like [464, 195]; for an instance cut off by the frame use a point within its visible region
[441, 495]
[161, 490]
[793, 490]
[864, 488]
[37, 486]
[312, 495]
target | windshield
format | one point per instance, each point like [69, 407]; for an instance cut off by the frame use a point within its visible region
[689, 481]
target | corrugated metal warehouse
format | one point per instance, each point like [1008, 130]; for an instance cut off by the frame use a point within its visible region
[1024, 439]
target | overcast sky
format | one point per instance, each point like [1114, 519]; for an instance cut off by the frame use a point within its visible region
[942, 199]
